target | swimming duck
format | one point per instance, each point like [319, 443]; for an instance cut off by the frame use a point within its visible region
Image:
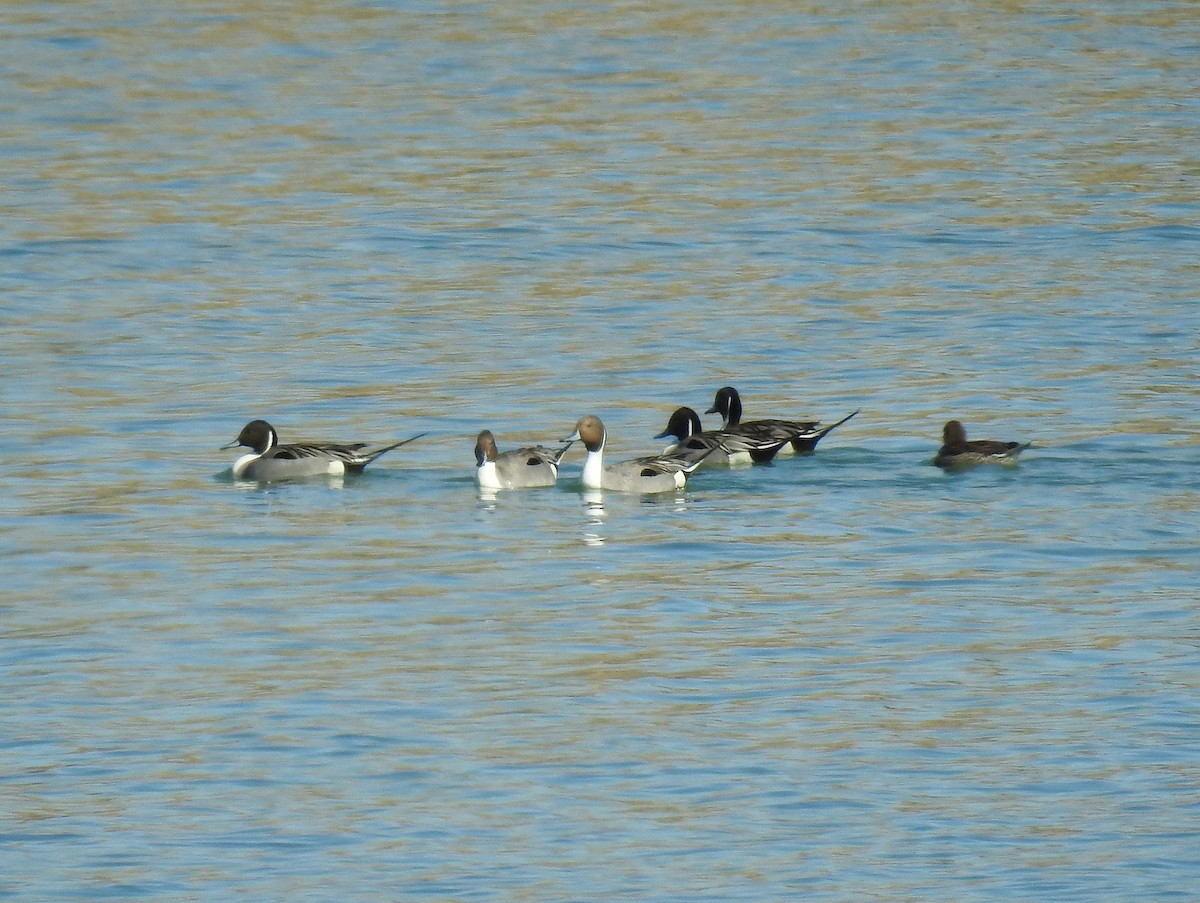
[521, 468]
[798, 436]
[957, 451]
[725, 447]
[653, 473]
[270, 461]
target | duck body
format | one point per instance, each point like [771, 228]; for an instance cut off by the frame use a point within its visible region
[649, 474]
[269, 461]
[796, 436]
[530, 467]
[958, 452]
[725, 448]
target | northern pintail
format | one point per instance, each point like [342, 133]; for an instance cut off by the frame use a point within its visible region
[957, 451]
[521, 468]
[653, 473]
[725, 447]
[798, 436]
[270, 461]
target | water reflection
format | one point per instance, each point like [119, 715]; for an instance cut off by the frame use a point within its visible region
[487, 498]
[331, 480]
[594, 516]
[678, 499]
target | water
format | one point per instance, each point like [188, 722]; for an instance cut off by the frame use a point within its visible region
[843, 677]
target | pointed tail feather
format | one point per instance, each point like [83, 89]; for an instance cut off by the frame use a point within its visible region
[808, 443]
[558, 455]
[387, 448]
[834, 426]
[697, 461]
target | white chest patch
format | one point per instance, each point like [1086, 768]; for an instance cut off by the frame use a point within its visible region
[487, 476]
[240, 465]
[593, 470]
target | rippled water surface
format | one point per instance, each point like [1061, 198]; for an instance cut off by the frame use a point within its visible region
[841, 677]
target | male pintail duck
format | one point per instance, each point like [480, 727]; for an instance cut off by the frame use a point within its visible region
[957, 451]
[725, 447]
[270, 461]
[654, 473]
[798, 436]
[521, 468]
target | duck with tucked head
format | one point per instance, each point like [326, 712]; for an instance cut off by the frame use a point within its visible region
[269, 461]
[521, 468]
[653, 473]
[726, 448]
[798, 436]
[957, 451]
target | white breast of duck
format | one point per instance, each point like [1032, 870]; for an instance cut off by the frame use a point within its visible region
[522, 468]
[270, 460]
[726, 448]
[661, 473]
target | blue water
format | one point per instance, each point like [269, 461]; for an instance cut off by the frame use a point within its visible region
[841, 677]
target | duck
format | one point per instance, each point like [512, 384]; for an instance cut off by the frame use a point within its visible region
[521, 468]
[653, 473]
[957, 451]
[799, 437]
[269, 461]
[726, 448]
